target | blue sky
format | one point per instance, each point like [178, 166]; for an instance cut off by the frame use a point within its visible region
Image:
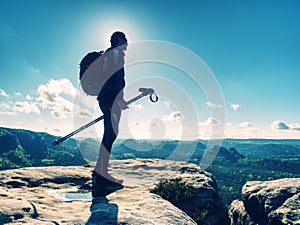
[252, 48]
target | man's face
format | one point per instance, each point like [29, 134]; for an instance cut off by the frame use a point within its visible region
[122, 42]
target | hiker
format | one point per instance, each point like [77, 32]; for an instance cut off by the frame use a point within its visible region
[111, 103]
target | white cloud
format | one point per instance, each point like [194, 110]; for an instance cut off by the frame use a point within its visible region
[167, 103]
[85, 113]
[245, 124]
[235, 107]
[58, 131]
[3, 93]
[28, 97]
[5, 106]
[66, 86]
[213, 105]
[279, 125]
[35, 70]
[295, 126]
[26, 107]
[58, 114]
[173, 116]
[18, 94]
[8, 113]
[55, 87]
[212, 121]
[31, 68]
[241, 132]
[137, 106]
[50, 97]
[140, 130]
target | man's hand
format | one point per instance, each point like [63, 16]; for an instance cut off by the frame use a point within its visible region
[122, 104]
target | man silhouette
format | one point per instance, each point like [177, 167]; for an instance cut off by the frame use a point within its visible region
[111, 103]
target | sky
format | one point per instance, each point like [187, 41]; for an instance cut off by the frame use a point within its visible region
[249, 49]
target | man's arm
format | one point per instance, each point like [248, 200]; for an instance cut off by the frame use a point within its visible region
[116, 64]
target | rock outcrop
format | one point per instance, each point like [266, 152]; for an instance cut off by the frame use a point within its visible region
[61, 195]
[206, 202]
[274, 202]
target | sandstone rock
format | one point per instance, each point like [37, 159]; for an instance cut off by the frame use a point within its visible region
[15, 209]
[274, 202]
[207, 201]
[238, 214]
[38, 195]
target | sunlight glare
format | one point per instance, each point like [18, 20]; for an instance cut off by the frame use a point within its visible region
[102, 31]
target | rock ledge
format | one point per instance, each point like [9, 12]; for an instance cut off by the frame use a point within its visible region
[38, 195]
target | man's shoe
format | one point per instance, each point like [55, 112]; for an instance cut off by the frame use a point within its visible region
[102, 186]
[106, 179]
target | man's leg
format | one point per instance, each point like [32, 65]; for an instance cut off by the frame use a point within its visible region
[111, 123]
[106, 145]
[103, 160]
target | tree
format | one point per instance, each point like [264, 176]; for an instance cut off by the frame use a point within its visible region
[15, 159]
[8, 142]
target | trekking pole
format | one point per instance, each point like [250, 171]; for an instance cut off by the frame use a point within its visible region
[145, 91]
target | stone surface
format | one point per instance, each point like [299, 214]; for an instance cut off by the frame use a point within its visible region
[38, 195]
[238, 214]
[207, 200]
[274, 202]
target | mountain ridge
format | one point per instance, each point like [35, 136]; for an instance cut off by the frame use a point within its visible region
[230, 168]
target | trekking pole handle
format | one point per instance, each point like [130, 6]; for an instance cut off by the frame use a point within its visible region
[149, 91]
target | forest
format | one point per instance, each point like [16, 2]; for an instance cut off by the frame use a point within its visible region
[237, 161]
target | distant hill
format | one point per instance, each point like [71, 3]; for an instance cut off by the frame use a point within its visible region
[274, 151]
[265, 148]
[238, 160]
[20, 148]
[89, 149]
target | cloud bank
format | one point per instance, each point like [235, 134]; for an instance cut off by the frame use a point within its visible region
[26, 107]
[175, 116]
[281, 125]
[245, 124]
[50, 97]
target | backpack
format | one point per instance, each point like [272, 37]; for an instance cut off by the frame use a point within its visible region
[91, 67]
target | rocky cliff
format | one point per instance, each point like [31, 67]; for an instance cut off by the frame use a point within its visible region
[274, 202]
[61, 195]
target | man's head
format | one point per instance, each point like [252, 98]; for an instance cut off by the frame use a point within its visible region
[117, 39]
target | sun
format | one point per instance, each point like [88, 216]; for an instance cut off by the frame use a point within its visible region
[103, 29]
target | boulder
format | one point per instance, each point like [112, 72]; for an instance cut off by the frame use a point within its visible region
[273, 202]
[206, 202]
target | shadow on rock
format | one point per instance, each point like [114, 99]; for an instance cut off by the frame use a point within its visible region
[102, 211]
